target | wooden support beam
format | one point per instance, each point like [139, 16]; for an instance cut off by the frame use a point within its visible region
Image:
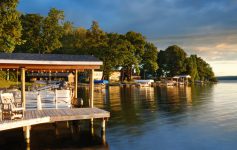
[39, 104]
[48, 67]
[76, 83]
[23, 95]
[103, 137]
[92, 126]
[26, 130]
[91, 96]
[103, 125]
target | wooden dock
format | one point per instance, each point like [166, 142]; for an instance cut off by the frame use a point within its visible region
[34, 117]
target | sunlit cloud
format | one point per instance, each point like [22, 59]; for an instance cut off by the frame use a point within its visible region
[217, 46]
[223, 68]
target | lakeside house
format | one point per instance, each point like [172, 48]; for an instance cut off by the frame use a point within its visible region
[98, 75]
[115, 76]
[65, 76]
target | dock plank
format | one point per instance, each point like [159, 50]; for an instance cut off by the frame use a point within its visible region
[33, 117]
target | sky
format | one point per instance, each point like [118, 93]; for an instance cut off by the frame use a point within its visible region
[207, 28]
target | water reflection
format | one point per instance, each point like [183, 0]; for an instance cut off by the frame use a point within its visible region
[54, 136]
[181, 117]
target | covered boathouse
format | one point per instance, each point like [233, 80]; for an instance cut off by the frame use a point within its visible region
[52, 63]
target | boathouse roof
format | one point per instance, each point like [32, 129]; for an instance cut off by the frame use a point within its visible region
[48, 61]
[182, 76]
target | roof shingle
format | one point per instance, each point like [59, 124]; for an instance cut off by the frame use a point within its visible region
[47, 57]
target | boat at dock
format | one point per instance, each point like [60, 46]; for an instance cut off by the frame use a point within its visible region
[143, 83]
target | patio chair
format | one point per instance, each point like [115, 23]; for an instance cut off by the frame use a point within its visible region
[63, 98]
[10, 108]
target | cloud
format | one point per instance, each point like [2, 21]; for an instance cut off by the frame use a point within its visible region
[206, 28]
[217, 46]
[151, 17]
[223, 68]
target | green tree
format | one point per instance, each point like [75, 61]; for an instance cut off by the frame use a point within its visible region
[162, 62]
[172, 61]
[123, 52]
[138, 41]
[67, 40]
[10, 26]
[52, 31]
[191, 67]
[31, 33]
[80, 39]
[96, 43]
[111, 58]
[149, 59]
[96, 40]
[204, 70]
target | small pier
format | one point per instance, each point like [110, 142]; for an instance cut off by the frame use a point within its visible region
[34, 117]
[51, 63]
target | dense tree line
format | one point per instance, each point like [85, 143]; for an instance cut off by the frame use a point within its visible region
[117, 51]
[10, 26]
[129, 52]
[174, 61]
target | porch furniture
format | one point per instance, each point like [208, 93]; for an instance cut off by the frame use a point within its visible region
[10, 108]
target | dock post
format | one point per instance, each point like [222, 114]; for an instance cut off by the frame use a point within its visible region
[103, 125]
[68, 124]
[39, 105]
[91, 88]
[23, 95]
[103, 137]
[56, 129]
[26, 130]
[92, 126]
[76, 83]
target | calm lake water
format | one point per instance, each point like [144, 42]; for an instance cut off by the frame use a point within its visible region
[194, 117]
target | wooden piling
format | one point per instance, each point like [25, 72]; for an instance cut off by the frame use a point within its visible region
[103, 125]
[26, 130]
[91, 88]
[76, 83]
[23, 94]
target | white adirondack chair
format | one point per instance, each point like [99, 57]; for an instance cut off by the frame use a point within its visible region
[63, 98]
[10, 108]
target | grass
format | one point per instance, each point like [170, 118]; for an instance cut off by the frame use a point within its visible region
[7, 84]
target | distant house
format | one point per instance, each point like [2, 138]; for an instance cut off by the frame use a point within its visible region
[51, 76]
[115, 76]
[98, 75]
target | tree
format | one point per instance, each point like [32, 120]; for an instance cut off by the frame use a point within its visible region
[162, 62]
[67, 40]
[138, 41]
[204, 70]
[172, 61]
[96, 43]
[96, 40]
[149, 59]
[31, 33]
[191, 67]
[122, 54]
[111, 58]
[10, 26]
[52, 31]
